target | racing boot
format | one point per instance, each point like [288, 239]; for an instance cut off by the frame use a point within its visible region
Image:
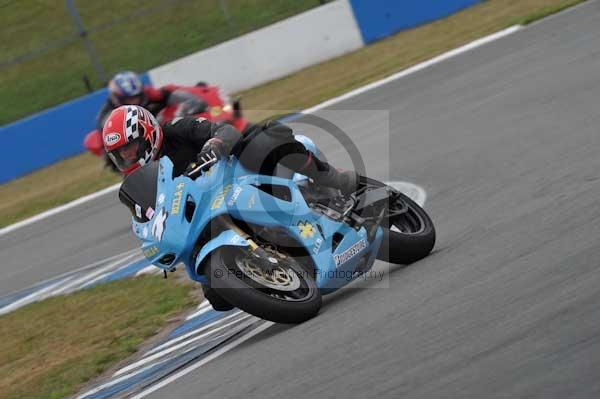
[326, 175]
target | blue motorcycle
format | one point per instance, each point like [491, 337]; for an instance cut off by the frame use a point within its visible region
[270, 245]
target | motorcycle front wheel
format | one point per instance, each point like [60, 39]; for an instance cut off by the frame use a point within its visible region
[287, 294]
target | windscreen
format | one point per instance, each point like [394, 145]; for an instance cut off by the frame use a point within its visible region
[138, 192]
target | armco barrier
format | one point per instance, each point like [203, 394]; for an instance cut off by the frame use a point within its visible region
[269, 53]
[380, 18]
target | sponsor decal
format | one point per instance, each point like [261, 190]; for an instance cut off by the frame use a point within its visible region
[160, 199]
[235, 239]
[150, 251]
[234, 196]
[158, 227]
[307, 230]
[138, 211]
[112, 138]
[175, 207]
[220, 198]
[252, 200]
[149, 213]
[200, 119]
[350, 253]
[317, 246]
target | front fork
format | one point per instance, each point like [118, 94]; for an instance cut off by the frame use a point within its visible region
[266, 262]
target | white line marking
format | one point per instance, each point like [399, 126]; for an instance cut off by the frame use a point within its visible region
[121, 378]
[173, 348]
[107, 274]
[191, 333]
[58, 209]
[200, 311]
[34, 296]
[350, 94]
[117, 380]
[202, 362]
[416, 68]
[91, 276]
[79, 269]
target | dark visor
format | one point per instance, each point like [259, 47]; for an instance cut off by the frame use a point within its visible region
[129, 154]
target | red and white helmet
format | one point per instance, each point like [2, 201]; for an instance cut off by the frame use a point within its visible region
[132, 137]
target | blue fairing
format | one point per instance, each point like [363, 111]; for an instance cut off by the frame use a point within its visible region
[230, 189]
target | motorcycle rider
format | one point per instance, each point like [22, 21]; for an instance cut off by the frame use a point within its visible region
[133, 137]
[126, 88]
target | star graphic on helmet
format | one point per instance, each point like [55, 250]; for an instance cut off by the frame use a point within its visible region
[148, 128]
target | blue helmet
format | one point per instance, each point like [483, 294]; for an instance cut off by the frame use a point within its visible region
[126, 88]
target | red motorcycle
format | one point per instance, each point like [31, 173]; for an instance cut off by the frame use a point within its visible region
[214, 108]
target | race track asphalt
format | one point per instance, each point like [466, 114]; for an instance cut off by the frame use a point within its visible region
[505, 139]
[64, 242]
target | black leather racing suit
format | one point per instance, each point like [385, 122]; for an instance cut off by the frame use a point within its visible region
[260, 148]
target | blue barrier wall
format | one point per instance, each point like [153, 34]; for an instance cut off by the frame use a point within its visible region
[380, 18]
[49, 136]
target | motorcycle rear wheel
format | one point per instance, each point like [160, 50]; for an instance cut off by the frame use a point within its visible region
[289, 294]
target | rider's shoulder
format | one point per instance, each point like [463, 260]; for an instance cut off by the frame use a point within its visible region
[182, 122]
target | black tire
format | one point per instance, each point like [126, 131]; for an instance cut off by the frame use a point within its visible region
[219, 304]
[234, 286]
[413, 241]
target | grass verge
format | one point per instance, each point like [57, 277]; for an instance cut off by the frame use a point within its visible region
[58, 184]
[53, 186]
[137, 37]
[50, 349]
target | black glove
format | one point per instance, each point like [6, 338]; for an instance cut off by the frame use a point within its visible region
[211, 152]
